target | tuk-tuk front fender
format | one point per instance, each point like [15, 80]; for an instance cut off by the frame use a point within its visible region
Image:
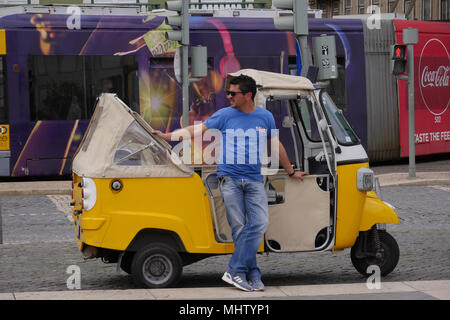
[376, 211]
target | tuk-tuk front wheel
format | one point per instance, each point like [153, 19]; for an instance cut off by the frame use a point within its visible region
[364, 253]
[156, 266]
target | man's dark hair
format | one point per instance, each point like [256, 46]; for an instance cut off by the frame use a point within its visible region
[246, 84]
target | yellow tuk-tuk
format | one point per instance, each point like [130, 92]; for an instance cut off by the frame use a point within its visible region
[137, 204]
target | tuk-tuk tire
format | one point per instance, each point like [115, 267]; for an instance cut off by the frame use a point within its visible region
[125, 263]
[390, 259]
[165, 262]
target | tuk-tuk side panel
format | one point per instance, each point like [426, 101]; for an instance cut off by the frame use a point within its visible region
[76, 196]
[91, 225]
[295, 222]
[179, 205]
[376, 211]
[350, 204]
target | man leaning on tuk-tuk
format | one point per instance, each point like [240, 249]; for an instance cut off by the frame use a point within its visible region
[241, 182]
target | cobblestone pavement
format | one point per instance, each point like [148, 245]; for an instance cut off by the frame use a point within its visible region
[36, 218]
[422, 165]
[39, 246]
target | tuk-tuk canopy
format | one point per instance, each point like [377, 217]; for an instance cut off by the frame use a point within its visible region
[119, 144]
[276, 84]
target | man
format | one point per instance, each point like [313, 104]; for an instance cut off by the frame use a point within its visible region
[241, 181]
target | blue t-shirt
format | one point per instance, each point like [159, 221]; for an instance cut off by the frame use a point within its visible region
[244, 137]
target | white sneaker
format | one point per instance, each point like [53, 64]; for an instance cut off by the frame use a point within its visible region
[237, 281]
[227, 278]
[257, 285]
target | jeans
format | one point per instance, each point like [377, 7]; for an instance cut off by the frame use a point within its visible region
[247, 213]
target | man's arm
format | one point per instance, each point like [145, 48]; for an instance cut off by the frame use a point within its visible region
[182, 133]
[286, 164]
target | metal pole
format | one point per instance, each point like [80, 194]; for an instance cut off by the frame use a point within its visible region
[304, 52]
[412, 147]
[185, 86]
[302, 31]
[185, 61]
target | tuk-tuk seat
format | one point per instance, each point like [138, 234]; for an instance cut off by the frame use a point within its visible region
[222, 230]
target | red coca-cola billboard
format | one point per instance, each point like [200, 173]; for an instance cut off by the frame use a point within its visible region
[431, 88]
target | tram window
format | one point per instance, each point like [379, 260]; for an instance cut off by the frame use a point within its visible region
[113, 74]
[56, 87]
[292, 63]
[165, 110]
[336, 89]
[66, 87]
[3, 101]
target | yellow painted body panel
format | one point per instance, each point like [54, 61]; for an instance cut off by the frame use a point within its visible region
[76, 196]
[93, 223]
[2, 41]
[350, 202]
[376, 211]
[180, 205]
[357, 210]
[4, 137]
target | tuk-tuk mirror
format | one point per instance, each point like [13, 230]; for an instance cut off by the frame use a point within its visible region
[323, 125]
[211, 181]
[288, 122]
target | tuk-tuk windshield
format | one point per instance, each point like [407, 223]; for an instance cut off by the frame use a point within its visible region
[305, 110]
[138, 148]
[341, 128]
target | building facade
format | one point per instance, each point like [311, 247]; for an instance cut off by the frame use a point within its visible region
[436, 10]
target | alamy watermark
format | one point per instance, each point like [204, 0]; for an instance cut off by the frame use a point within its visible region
[74, 20]
[374, 20]
[74, 280]
[374, 280]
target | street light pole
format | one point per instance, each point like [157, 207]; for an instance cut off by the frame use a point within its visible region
[411, 37]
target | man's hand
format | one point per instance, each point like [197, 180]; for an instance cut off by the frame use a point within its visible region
[299, 175]
[286, 164]
[183, 133]
[165, 136]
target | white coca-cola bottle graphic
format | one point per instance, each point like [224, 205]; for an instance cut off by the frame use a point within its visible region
[434, 74]
[434, 78]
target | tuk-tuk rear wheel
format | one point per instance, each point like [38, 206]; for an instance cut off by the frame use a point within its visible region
[156, 266]
[390, 254]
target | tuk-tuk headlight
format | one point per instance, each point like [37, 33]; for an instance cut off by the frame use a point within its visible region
[89, 193]
[364, 179]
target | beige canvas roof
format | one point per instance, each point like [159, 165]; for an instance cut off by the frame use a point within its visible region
[95, 156]
[277, 83]
[274, 84]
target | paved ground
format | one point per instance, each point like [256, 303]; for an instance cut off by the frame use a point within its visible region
[422, 165]
[421, 210]
[422, 290]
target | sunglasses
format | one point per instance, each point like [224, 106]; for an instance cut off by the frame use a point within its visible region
[233, 93]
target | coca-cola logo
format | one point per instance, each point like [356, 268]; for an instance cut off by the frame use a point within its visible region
[437, 78]
[434, 73]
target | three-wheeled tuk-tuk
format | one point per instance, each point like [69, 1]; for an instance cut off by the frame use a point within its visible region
[136, 203]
